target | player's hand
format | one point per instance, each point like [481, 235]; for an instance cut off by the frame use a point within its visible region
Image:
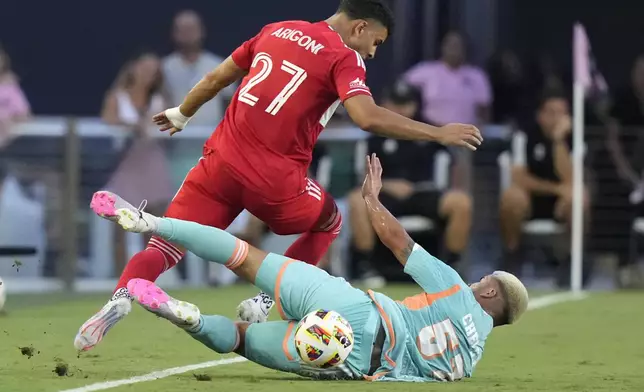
[562, 129]
[462, 135]
[372, 181]
[171, 120]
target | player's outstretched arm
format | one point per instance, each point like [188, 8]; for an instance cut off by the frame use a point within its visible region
[386, 226]
[216, 80]
[375, 119]
[209, 86]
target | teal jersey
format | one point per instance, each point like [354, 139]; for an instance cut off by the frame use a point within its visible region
[437, 335]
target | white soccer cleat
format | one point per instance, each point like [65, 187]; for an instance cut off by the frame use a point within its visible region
[256, 309]
[111, 206]
[137, 221]
[153, 299]
[94, 329]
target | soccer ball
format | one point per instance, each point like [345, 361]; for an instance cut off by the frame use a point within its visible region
[3, 294]
[323, 339]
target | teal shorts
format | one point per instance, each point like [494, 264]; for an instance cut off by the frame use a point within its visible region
[299, 289]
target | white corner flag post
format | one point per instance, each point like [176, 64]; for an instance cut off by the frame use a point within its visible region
[582, 80]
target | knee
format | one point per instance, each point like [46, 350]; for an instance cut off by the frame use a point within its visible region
[563, 208]
[514, 200]
[334, 225]
[456, 202]
[331, 220]
[242, 327]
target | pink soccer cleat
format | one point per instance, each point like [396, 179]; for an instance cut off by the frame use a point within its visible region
[112, 207]
[105, 204]
[152, 298]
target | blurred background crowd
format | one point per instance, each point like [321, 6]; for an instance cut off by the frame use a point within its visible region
[77, 93]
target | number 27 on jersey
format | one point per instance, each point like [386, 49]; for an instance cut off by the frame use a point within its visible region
[265, 61]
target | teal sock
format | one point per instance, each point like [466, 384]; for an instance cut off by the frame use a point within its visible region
[218, 333]
[207, 242]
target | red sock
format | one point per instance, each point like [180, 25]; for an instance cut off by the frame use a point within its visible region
[148, 264]
[312, 245]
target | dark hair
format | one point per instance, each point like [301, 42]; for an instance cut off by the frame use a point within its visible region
[124, 78]
[369, 9]
[401, 93]
[549, 95]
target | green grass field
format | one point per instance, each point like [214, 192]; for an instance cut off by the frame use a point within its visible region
[588, 345]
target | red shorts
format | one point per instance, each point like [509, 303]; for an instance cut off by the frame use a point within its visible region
[211, 195]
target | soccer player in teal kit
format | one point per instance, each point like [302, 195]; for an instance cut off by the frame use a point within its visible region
[437, 335]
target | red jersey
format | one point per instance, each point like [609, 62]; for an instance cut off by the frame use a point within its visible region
[298, 74]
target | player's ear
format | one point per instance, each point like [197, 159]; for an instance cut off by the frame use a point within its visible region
[489, 292]
[360, 27]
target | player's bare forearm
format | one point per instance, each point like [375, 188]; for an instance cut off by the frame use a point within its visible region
[386, 123]
[562, 161]
[375, 119]
[389, 124]
[389, 230]
[216, 80]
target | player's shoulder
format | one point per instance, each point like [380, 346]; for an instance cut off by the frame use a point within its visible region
[346, 55]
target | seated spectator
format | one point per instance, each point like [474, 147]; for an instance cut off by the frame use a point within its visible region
[541, 176]
[624, 143]
[452, 91]
[13, 103]
[143, 172]
[409, 188]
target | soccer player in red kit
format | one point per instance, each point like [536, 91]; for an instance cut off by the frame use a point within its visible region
[295, 74]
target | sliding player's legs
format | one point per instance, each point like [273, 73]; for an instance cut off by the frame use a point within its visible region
[269, 344]
[313, 214]
[298, 288]
[199, 199]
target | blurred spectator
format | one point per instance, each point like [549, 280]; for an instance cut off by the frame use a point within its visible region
[509, 87]
[188, 64]
[182, 69]
[628, 111]
[13, 103]
[548, 76]
[452, 90]
[625, 146]
[409, 187]
[541, 176]
[143, 173]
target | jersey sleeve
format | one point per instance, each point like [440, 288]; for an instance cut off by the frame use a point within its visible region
[350, 75]
[430, 273]
[244, 54]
